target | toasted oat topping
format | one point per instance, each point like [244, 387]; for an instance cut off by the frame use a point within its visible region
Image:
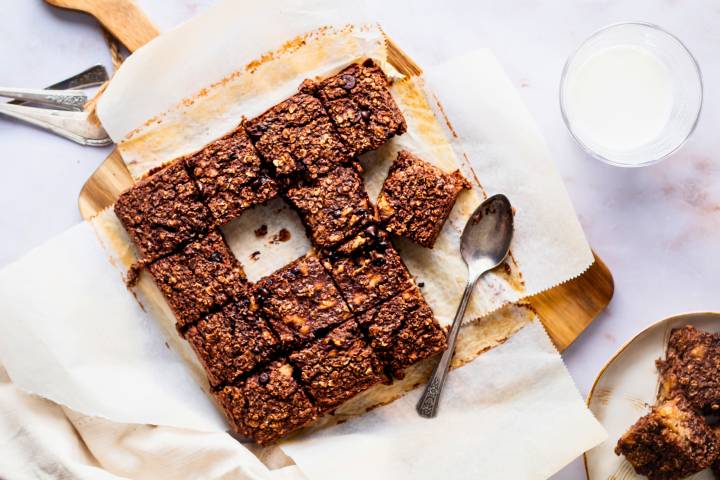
[297, 137]
[367, 269]
[403, 331]
[230, 176]
[671, 442]
[231, 342]
[163, 211]
[267, 405]
[692, 369]
[300, 299]
[338, 366]
[360, 104]
[333, 207]
[417, 198]
[203, 276]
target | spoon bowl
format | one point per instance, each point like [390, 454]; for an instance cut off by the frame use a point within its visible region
[484, 245]
[486, 238]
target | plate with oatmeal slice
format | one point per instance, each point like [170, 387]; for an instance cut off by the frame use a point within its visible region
[659, 399]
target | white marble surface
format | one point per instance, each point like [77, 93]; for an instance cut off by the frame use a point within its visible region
[657, 228]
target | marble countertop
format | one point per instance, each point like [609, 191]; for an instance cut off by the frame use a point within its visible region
[657, 228]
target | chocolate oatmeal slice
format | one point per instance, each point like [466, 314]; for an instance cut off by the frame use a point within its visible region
[163, 212]
[692, 369]
[338, 366]
[403, 331]
[367, 269]
[417, 198]
[203, 276]
[300, 299]
[230, 176]
[267, 405]
[361, 107]
[671, 442]
[333, 207]
[231, 342]
[297, 137]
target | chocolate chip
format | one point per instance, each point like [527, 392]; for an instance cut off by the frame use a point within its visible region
[264, 378]
[368, 63]
[421, 284]
[382, 245]
[365, 114]
[348, 82]
[372, 231]
[216, 257]
[263, 294]
[378, 261]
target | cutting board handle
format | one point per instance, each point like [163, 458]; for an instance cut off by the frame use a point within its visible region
[123, 18]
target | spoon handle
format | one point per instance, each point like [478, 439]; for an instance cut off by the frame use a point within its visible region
[428, 404]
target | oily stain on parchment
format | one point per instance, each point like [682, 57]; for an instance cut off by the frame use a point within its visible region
[509, 269]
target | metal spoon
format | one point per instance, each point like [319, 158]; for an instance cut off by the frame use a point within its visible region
[484, 245]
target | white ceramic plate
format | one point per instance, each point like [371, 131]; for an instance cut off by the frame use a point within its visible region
[626, 388]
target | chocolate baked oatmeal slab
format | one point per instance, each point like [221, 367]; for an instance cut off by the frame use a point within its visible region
[163, 212]
[338, 366]
[367, 269]
[361, 107]
[417, 198]
[692, 369]
[671, 442]
[297, 138]
[267, 405]
[299, 300]
[333, 207]
[230, 176]
[403, 331]
[203, 276]
[231, 342]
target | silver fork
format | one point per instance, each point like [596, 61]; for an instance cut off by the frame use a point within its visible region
[73, 125]
[62, 99]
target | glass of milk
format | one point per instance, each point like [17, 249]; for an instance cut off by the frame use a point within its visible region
[631, 95]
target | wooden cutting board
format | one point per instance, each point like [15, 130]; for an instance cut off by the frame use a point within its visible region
[565, 310]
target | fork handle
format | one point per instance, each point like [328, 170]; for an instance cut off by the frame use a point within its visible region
[74, 126]
[430, 399]
[64, 99]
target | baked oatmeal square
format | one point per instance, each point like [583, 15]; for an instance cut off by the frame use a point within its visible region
[360, 105]
[297, 138]
[203, 276]
[163, 212]
[231, 342]
[403, 331]
[338, 366]
[300, 300]
[230, 176]
[416, 198]
[692, 369]
[367, 269]
[333, 207]
[267, 405]
[671, 442]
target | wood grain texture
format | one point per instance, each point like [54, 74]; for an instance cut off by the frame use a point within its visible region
[123, 18]
[565, 310]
